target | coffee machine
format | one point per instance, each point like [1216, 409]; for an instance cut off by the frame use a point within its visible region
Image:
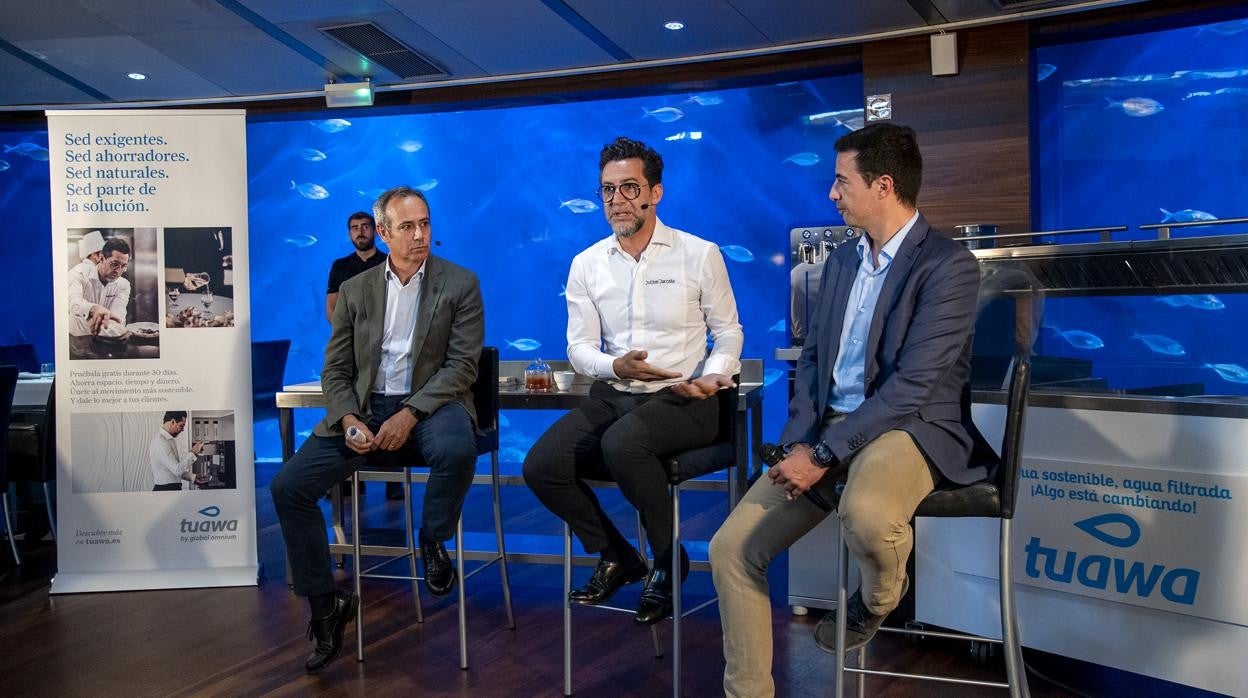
[809, 248]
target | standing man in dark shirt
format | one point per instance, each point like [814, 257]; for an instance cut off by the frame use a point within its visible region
[362, 229]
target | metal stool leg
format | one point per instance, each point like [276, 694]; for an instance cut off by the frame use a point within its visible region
[641, 543]
[1015, 673]
[498, 535]
[412, 548]
[676, 590]
[567, 610]
[355, 567]
[8, 527]
[842, 603]
[47, 500]
[463, 607]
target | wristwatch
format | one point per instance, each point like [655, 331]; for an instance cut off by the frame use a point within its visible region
[415, 412]
[823, 456]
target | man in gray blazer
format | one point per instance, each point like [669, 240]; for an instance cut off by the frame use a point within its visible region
[401, 358]
[881, 398]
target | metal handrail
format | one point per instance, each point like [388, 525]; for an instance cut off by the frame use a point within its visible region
[1163, 229]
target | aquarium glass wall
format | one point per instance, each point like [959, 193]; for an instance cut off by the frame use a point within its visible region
[1135, 130]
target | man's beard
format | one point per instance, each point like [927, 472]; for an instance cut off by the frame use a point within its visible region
[364, 245]
[628, 229]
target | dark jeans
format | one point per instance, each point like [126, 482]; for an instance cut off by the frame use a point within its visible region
[444, 441]
[617, 436]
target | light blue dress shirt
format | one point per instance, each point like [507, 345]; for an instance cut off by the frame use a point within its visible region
[848, 373]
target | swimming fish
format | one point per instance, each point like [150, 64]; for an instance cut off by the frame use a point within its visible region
[1044, 70]
[737, 253]
[371, 193]
[832, 118]
[665, 114]
[1229, 28]
[4, 165]
[332, 125]
[1194, 95]
[1205, 301]
[690, 135]
[410, 146]
[427, 184]
[1136, 106]
[771, 375]
[523, 344]
[1080, 339]
[34, 151]
[1187, 215]
[803, 159]
[301, 241]
[309, 190]
[778, 327]
[579, 205]
[706, 100]
[563, 290]
[311, 154]
[1160, 344]
[1230, 372]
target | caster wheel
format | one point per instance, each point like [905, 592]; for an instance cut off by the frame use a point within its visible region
[982, 652]
[799, 610]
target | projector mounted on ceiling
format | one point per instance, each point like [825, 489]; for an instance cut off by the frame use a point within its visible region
[349, 94]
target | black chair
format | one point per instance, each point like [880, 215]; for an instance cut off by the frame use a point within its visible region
[8, 383]
[681, 468]
[994, 498]
[32, 453]
[268, 369]
[485, 401]
[23, 356]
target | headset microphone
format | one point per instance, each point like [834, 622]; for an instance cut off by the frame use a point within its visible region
[645, 206]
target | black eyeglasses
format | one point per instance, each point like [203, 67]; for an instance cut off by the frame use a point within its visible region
[629, 190]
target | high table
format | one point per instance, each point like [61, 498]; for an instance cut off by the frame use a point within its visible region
[32, 391]
[749, 424]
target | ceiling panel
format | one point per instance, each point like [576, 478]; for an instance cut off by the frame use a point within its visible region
[395, 24]
[103, 62]
[957, 10]
[50, 19]
[242, 61]
[22, 83]
[506, 36]
[711, 26]
[154, 16]
[279, 11]
[792, 21]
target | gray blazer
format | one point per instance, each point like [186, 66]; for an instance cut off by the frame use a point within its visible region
[446, 343]
[918, 355]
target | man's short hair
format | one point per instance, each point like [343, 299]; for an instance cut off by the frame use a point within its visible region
[112, 245]
[174, 416]
[888, 149]
[625, 149]
[360, 215]
[399, 192]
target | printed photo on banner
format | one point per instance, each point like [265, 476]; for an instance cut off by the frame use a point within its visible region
[199, 277]
[113, 293]
[167, 451]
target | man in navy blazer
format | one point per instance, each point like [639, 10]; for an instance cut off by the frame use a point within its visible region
[399, 366]
[881, 398]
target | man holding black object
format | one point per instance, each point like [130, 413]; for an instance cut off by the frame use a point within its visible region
[640, 305]
[399, 365]
[881, 399]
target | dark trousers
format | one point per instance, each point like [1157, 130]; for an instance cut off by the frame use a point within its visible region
[617, 436]
[444, 441]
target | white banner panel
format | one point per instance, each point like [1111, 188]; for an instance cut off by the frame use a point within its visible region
[155, 483]
[1163, 539]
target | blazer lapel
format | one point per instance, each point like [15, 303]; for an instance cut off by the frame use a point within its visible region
[372, 324]
[835, 297]
[430, 293]
[893, 283]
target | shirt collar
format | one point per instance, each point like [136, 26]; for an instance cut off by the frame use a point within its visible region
[890, 248]
[392, 277]
[663, 235]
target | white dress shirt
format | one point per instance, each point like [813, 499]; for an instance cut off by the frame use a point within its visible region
[167, 465]
[86, 290]
[664, 303]
[394, 374]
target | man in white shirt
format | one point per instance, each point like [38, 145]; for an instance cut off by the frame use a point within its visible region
[640, 305]
[168, 468]
[98, 293]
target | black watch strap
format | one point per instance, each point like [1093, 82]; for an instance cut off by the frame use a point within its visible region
[823, 455]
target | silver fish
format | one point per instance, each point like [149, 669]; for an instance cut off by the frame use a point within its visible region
[332, 125]
[1230, 372]
[4, 165]
[523, 344]
[1080, 339]
[737, 253]
[706, 100]
[427, 184]
[34, 151]
[1044, 70]
[1136, 106]
[301, 241]
[309, 190]
[410, 146]
[311, 154]
[803, 159]
[685, 135]
[579, 205]
[665, 114]
[772, 375]
[1160, 344]
[1187, 215]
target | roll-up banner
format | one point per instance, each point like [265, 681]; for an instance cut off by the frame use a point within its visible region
[155, 461]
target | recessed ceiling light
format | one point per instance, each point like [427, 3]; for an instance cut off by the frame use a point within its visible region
[136, 76]
[674, 25]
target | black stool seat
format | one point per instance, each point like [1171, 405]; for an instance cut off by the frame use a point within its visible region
[976, 499]
[695, 463]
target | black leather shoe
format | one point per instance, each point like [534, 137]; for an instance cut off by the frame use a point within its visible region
[327, 632]
[860, 624]
[439, 572]
[607, 579]
[655, 603]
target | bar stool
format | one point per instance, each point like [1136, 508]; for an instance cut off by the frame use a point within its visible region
[485, 401]
[993, 498]
[681, 468]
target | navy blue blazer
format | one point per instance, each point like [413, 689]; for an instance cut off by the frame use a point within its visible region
[918, 356]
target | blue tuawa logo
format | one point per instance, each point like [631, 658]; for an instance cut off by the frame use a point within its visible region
[209, 526]
[1103, 572]
[213, 510]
